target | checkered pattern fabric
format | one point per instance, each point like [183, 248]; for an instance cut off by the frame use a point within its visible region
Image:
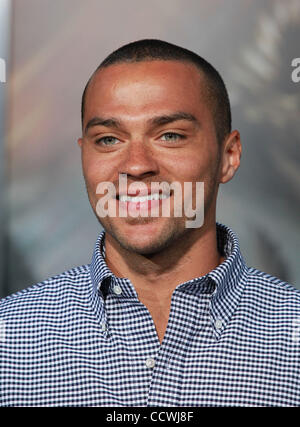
[83, 339]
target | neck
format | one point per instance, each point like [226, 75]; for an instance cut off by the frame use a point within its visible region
[155, 277]
[193, 256]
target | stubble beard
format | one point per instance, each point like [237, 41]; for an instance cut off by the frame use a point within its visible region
[170, 234]
[172, 231]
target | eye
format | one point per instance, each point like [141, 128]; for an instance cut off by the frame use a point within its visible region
[107, 140]
[171, 136]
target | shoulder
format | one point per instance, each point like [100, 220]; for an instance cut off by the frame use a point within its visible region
[265, 280]
[272, 293]
[46, 293]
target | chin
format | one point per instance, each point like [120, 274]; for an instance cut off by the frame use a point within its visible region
[147, 241]
[143, 248]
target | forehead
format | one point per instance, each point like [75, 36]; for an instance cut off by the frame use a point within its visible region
[146, 83]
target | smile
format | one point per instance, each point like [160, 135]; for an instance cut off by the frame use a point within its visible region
[141, 199]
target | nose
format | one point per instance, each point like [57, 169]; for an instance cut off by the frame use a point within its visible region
[139, 161]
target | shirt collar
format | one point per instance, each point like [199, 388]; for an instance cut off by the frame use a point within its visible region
[230, 278]
[226, 281]
[98, 267]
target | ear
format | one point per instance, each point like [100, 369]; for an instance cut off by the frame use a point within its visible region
[80, 142]
[231, 156]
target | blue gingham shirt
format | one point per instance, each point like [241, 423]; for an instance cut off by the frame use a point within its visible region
[83, 338]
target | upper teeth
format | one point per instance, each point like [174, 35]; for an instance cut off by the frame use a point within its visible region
[137, 199]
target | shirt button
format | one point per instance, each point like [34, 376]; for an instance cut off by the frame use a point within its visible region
[103, 327]
[117, 290]
[218, 324]
[150, 363]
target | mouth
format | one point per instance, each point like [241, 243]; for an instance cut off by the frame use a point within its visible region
[141, 199]
[147, 204]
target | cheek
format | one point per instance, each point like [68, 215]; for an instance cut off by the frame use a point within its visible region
[191, 167]
[95, 170]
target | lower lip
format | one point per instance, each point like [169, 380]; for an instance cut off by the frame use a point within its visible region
[141, 207]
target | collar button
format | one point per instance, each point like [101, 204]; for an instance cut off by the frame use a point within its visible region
[218, 324]
[117, 290]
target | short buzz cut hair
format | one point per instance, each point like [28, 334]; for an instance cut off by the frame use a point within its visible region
[153, 49]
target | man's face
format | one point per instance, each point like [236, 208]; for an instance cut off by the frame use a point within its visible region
[153, 123]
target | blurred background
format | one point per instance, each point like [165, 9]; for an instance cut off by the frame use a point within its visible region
[51, 47]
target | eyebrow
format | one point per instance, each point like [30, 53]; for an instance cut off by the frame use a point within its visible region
[99, 121]
[170, 118]
[113, 122]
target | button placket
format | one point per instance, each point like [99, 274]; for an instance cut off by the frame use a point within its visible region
[150, 362]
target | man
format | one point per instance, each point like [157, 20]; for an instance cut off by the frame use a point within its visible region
[167, 313]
